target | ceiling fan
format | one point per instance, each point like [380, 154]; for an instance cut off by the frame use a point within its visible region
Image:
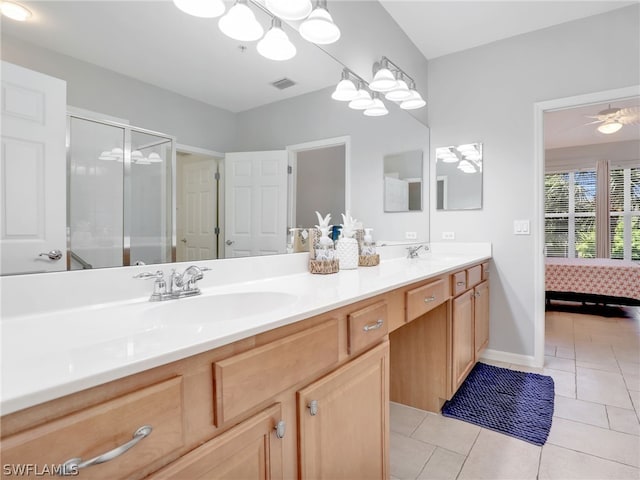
[613, 119]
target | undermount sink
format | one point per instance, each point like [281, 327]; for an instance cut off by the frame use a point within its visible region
[219, 307]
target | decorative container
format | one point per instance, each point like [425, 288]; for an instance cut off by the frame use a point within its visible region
[324, 267]
[368, 260]
[347, 252]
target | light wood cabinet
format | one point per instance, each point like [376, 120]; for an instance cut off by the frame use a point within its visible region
[251, 450]
[481, 307]
[462, 341]
[344, 421]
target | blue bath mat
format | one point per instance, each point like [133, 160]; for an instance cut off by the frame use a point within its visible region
[514, 403]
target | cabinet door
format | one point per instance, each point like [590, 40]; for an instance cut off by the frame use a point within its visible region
[482, 317]
[463, 340]
[249, 451]
[344, 421]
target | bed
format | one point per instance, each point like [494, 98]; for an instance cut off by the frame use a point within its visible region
[596, 280]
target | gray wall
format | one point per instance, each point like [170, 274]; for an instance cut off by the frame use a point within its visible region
[144, 105]
[487, 94]
[320, 186]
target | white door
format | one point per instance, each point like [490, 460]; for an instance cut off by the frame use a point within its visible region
[33, 171]
[198, 208]
[255, 203]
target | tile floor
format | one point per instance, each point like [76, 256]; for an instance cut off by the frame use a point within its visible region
[594, 360]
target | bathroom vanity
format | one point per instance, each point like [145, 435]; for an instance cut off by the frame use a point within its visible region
[305, 394]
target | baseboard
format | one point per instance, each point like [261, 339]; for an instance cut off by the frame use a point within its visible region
[508, 357]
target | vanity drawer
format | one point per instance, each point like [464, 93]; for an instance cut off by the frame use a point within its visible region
[459, 282]
[94, 431]
[247, 379]
[422, 299]
[474, 276]
[367, 326]
[485, 271]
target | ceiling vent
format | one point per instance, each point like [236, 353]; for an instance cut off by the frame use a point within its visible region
[283, 83]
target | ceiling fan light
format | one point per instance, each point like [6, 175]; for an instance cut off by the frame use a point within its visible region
[201, 8]
[240, 23]
[15, 11]
[383, 81]
[275, 45]
[609, 127]
[400, 93]
[362, 101]
[378, 109]
[319, 28]
[413, 102]
[290, 9]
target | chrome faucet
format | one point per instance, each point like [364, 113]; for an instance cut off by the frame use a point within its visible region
[180, 284]
[412, 251]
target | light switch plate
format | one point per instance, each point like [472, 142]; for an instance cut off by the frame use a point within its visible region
[448, 235]
[521, 227]
[410, 235]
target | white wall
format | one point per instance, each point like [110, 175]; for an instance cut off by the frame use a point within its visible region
[487, 94]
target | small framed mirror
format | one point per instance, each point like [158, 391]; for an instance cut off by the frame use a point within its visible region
[403, 181]
[459, 177]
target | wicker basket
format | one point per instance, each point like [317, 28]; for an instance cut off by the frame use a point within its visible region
[324, 267]
[368, 260]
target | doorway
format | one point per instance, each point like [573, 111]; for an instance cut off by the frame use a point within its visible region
[540, 109]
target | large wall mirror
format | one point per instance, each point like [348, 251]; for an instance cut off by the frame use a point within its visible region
[459, 177]
[213, 109]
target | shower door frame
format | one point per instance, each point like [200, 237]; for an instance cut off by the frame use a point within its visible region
[126, 183]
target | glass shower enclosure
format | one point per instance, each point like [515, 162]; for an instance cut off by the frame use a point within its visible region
[120, 195]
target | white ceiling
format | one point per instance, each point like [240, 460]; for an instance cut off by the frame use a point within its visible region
[442, 27]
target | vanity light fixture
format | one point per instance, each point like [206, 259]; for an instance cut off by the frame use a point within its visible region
[609, 127]
[318, 27]
[275, 45]
[383, 79]
[345, 90]
[201, 8]
[290, 9]
[15, 11]
[378, 108]
[401, 91]
[447, 156]
[415, 100]
[466, 166]
[363, 100]
[240, 23]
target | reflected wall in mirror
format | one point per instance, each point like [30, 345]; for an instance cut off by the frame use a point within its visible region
[205, 112]
[403, 181]
[459, 177]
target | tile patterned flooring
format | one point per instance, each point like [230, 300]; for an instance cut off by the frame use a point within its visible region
[594, 359]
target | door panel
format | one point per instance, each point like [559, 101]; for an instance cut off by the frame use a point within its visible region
[33, 171]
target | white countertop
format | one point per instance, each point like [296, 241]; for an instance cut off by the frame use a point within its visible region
[55, 352]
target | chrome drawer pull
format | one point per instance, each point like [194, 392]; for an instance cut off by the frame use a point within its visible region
[373, 326]
[280, 429]
[71, 466]
[460, 284]
[478, 294]
[313, 408]
[430, 299]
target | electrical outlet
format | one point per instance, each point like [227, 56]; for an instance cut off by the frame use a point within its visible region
[410, 235]
[448, 235]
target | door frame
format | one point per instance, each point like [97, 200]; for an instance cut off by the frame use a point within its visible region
[292, 152]
[539, 108]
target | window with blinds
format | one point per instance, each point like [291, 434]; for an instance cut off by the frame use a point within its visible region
[570, 214]
[624, 216]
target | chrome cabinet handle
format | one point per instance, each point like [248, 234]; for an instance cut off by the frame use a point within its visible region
[71, 466]
[52, 254]
[280, 429]
[460, 284]
[477, 294]
[430, 299]
[229, 242]
[373, 326]
[313, 408]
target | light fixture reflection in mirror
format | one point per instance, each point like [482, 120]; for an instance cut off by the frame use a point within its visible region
[459, 177]
[403, 181]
